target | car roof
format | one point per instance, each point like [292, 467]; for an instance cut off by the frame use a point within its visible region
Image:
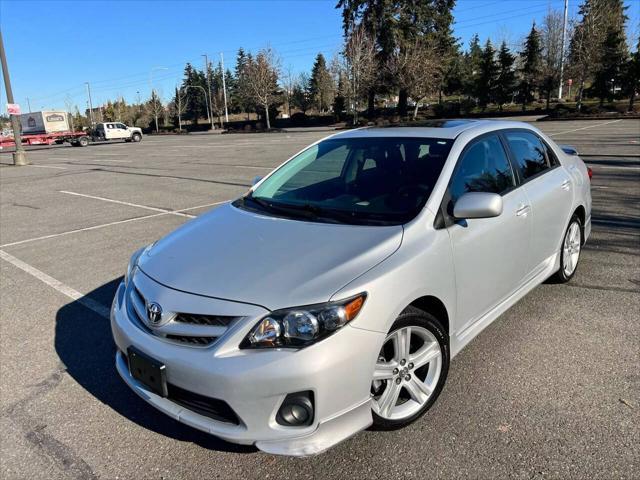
[447, 129]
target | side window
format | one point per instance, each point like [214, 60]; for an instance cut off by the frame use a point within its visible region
[530, 153]
[110, 126]
[122, 126]
[484, 167]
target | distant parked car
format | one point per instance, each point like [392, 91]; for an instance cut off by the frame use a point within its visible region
[333, 295]
[117, 131]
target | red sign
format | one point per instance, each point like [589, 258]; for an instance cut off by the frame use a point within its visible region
[570, 82]
[13, 109]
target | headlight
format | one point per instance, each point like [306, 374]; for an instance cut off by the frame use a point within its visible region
[300, 327]
[133, 263]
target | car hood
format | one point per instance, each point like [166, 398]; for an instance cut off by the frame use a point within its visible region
[238, 255]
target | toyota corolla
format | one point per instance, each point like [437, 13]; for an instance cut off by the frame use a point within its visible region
[333, 295]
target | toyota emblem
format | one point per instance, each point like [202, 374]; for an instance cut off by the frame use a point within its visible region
[154, 313]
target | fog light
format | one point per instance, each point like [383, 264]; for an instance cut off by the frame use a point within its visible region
[296, 410]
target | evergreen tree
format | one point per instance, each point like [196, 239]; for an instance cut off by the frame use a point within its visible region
[196, 105]
[613, 58]
[506, 80]
[301, 95]
[487, 76]
[471, 67]
[321, 84]
[397, 25]
[632, 76]
[240, 96]
[531, 71]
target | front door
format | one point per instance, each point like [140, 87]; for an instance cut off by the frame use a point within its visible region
[490, 254]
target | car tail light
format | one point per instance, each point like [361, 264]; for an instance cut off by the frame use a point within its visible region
[590, 173]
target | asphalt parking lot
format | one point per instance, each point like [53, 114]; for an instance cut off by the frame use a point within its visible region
[549, 390]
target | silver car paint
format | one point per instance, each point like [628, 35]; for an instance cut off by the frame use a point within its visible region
[476, 273]
[268, 261]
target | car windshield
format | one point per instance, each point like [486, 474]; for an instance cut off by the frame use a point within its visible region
[382, 180]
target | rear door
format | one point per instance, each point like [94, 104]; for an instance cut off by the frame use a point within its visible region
[490, 254]
[549, 189]
[110, 131]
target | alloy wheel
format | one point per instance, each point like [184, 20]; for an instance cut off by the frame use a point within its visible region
[571, 249]
[406, 374]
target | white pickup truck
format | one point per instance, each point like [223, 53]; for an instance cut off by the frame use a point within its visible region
[117, 131]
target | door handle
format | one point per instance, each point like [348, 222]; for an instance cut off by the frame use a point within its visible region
[566, 185]
[523, 210]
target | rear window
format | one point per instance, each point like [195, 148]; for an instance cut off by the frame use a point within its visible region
[529, 152]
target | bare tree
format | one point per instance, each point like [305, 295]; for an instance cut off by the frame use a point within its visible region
[155, 107]
[359, 67]
[417, 69]
[585, 46]
[179, 106]
[68, 103]
[551, 51]
[289, 82]
[262, 80]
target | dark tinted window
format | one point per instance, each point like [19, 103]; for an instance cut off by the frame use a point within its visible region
[529, 152]
[359, 179]
[484, 167]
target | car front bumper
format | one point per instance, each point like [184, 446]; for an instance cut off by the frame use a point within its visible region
[254, 383]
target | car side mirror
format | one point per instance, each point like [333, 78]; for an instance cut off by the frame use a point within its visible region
[478, 205]
[255, 180]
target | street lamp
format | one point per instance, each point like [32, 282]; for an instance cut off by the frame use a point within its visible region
[155, 110]
[206, 101]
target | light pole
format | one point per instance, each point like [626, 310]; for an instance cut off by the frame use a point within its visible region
[19, 156]
[90, 104]
[564, 39]
[224, 89]
[153, 97]
[206, 101]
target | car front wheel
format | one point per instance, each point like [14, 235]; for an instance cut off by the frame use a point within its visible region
[410, 371]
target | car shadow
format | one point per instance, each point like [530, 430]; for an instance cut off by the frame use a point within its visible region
[84, 344]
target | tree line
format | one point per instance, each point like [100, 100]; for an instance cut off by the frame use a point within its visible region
[403, 53]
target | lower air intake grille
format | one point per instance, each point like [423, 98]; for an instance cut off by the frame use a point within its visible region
[196, 319]
[191, 340]
[209, 407]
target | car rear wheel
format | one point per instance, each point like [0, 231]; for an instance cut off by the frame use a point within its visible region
[411, 370]
[570, 251]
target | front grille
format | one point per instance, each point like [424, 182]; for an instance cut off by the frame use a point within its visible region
[211, 320]
[189, 329]
[209, 407]
[192, 340]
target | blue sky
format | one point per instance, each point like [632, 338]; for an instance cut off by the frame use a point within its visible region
[53, 47]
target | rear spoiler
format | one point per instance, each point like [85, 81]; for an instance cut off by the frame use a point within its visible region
[569, 150]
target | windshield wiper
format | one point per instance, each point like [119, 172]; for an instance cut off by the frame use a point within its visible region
[279, 208]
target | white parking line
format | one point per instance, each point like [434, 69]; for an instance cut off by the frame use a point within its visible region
[90, 303]
[110, 224]
[120, 202]
[613, 167]
[47, 166]
[585, 128]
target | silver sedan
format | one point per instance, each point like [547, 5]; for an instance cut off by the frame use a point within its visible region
[334, 294]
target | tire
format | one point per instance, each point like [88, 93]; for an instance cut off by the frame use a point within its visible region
[83, 141]
[570, 250]
[412, 400]
[136, 137]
